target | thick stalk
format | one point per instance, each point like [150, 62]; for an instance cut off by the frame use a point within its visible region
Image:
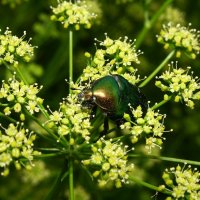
[70, 58]
[149, 24]
[153, 74]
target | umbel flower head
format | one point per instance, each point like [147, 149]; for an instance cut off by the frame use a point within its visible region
[184, 183]
[173, 15]
[151, 125]
[71, 121]
[73, 14]
[112, 56]
[180, 38]
[16, 142]
[12, 48]
[181, 84]
[16, 94]
[109, 159]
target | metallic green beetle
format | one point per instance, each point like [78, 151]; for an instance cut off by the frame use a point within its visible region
[114, 95]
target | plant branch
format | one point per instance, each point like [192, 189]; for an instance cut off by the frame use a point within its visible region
[57, 186]
[70, 58]
[150, 186]
[149, 25]
[7, 117]
[164, 158]
[71, 177]
[153, 74]
[157, 105]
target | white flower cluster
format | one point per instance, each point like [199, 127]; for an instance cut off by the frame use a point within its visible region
[184, 183]
[16, 142]
[14, 95]
[73, 14]
[71, 120]
[116, 56]
[181, 38]
[13, 48]
[151, 125]
[110, 159]
[178, 82]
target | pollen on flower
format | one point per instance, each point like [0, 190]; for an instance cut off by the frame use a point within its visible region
[71, 120]
[184, 182]
[181, 38]
[117, 56]
[16, 142]
[73, 14]
[152, 125]
[18, 95]
[179, 82]
[110, 161]
[12, 48]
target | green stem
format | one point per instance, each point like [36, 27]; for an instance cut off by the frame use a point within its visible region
[146, 12]
[70, 58]
[20, 75]
[62, 139]
[148, 26]
[7, 117]
[150, 186]
[57, 186]
[153, 74]
[41, 125]
[49, 155]
[71, 181]
[164, 158]
[157, 105]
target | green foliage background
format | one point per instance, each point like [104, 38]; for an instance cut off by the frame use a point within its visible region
[49, 69]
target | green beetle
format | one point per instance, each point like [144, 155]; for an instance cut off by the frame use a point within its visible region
[114, 95]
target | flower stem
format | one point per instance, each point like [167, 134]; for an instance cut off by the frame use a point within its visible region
[153, 74]
[71, 177]
[49, 155]
[70, 58]
[7, 117]
[22, 77]
[42, 126]
[57, 186]
[150, 186]
[164, 158]
[157, 105]
[148, 24]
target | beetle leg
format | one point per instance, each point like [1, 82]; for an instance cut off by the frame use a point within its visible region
[105, 127]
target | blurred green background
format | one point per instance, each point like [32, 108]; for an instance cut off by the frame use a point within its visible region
[50, 69]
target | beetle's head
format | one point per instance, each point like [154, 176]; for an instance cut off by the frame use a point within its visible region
[86, 98]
